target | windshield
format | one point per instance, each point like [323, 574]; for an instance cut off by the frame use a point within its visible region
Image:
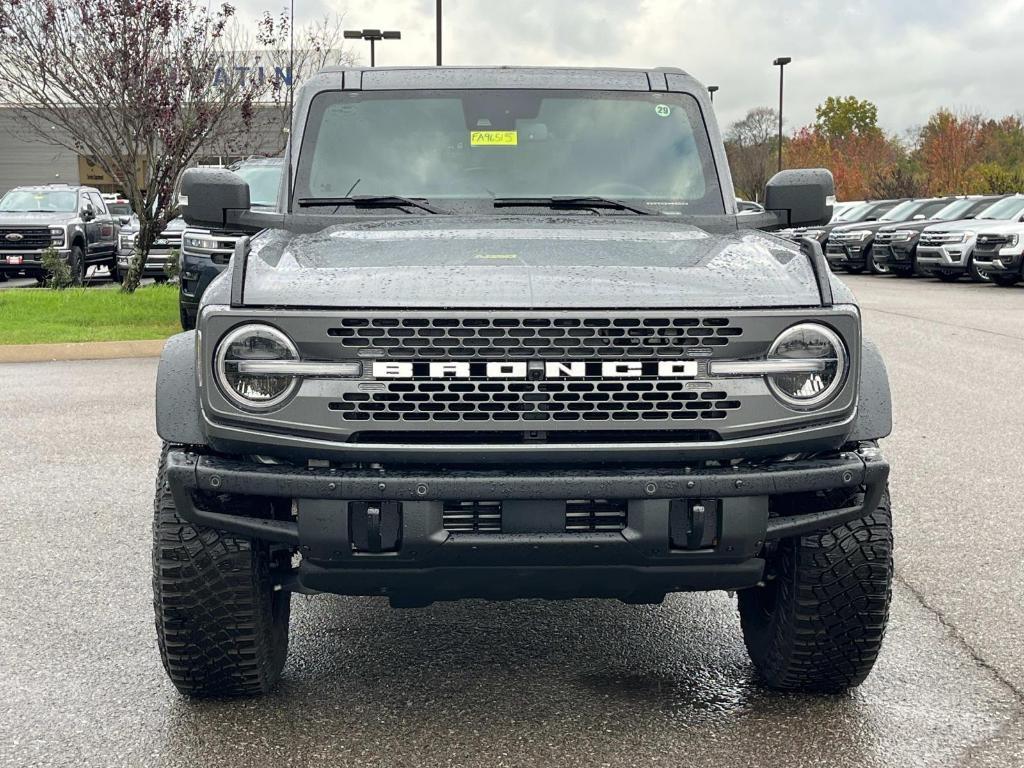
[956, 210]
[39, 201]
[477, 145]
[856, 212]
[1004, 209]
[264, 182]
[901, 212]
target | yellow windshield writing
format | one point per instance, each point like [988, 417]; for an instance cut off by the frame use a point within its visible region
[493, 138]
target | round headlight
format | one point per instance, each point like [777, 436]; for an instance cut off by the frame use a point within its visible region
[813, 343]
[254, 344]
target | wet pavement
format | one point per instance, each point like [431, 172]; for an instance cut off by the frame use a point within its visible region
[586, 683]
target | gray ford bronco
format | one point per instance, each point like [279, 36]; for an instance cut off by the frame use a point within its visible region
[505, 336]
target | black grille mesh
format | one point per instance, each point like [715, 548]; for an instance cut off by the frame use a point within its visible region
[512, 338]
[32, 239]
[551, 401]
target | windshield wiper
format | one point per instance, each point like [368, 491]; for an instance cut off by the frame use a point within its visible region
[574, 201]
[369, 201]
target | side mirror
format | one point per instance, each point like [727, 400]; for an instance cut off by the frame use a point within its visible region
[802, 197]
[919, 217]
[124, 220]
[210, 196]
[88, 212]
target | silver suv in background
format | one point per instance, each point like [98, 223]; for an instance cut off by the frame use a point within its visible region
[204, 254]
[946, 250]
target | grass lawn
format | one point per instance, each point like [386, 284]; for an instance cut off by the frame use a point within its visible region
[42, 316]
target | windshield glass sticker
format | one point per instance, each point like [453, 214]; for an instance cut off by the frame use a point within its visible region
[494, 138]
[662, 110]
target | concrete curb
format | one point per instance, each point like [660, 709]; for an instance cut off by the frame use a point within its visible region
[89, 350]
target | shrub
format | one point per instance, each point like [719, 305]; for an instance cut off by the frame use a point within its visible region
[173, 266]
[57, 270]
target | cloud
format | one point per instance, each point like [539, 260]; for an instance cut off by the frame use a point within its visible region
[910, 58]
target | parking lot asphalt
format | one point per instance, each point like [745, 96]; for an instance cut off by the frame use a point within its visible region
[587, 683]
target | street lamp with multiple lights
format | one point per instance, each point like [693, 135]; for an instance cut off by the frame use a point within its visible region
[711, 90]
[781, 63]
[373, 35]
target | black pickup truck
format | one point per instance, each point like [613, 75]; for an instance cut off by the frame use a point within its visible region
[506, 335]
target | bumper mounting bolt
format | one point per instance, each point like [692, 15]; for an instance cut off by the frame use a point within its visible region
[421, 490]
[215, 482]
[690, 484]
[332, 486]
[650, 488]
[381, 486]
[847, 477]
[739, 483]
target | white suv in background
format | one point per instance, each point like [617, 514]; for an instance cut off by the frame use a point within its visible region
[946, 250]
[999, 252]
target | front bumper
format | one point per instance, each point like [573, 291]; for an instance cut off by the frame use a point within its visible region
[197, 272]
[848, 254]
[894, 254]
[532, 554]
[1001, 264]
[156, 262]
[949, 259]
[12, 261]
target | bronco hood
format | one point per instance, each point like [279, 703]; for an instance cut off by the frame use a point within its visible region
[526, 262]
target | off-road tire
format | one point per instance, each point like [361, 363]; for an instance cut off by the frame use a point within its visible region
[76, 263]
[221, 627]
[1006, 281]
[817, 626]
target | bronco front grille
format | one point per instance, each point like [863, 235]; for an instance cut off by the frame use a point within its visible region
[540, 401]
[31, 239]
[511, 338]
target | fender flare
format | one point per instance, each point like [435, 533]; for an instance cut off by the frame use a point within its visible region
[178, 418]
[874, 404]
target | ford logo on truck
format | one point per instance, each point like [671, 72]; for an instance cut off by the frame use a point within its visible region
[576, 369]
[14, 236]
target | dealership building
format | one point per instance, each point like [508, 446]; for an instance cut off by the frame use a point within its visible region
[26, 159]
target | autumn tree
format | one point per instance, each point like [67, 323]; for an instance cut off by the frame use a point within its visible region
[129, 84]
[751, 144]
[949, 144]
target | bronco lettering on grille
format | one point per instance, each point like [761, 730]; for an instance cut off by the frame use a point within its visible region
[461, 369]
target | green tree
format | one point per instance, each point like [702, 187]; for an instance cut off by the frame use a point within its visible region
[840, 118]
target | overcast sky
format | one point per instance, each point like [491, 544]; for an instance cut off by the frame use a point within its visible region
[908, 56]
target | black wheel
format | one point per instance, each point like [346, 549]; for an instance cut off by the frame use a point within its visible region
[160, 279]
[221, 627]
[855, 270]
[818, 623]
[1006, 281]
[3, 277]
[188, 323]
[947, 277]
[76, 263]
[977, 276]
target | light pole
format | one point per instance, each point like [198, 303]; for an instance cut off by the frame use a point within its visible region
[781, 63]
[711, 90]
[437, 18]
[373, 35]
